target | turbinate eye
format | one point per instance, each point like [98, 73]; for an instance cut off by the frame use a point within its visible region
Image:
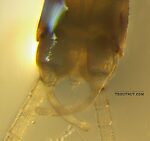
[100, 56]
[57, 56]
[47, 59]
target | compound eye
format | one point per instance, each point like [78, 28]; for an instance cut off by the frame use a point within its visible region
[100, 61]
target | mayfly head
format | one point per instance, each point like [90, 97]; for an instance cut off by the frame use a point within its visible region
[81, 39]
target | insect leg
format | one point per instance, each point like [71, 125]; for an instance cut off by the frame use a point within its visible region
[104, 119]
[26, 115]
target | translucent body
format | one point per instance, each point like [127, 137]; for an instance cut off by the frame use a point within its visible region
[82, 40]
[86, 43]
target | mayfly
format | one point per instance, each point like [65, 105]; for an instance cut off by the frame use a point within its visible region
[79, 40]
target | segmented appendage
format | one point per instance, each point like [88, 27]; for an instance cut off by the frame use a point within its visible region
[104, 119]
[26, 115]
